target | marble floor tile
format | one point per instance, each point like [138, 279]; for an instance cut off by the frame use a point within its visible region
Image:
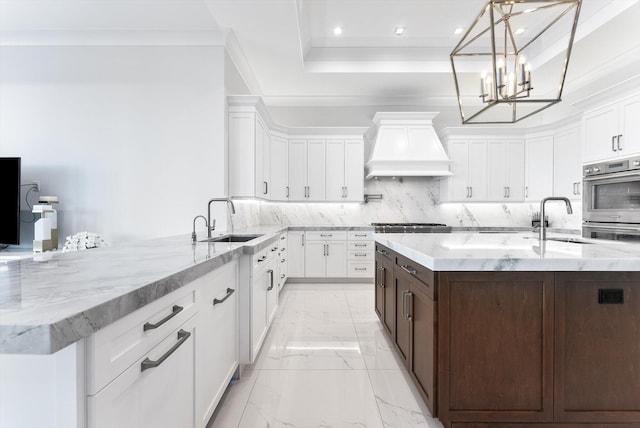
[327, 398]
[399, 403]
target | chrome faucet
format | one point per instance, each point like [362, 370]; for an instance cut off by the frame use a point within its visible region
[543, 229]
[212, 226]
[193, 234]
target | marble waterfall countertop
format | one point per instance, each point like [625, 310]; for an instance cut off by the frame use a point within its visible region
[516, 251]
[53, 300]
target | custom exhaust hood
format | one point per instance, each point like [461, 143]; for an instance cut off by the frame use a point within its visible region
[406, 145]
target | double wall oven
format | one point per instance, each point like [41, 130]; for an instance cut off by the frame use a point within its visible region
[611, 200]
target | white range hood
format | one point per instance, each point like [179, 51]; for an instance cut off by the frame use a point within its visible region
[406, 145]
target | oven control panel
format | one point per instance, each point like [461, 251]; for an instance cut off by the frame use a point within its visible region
[610, 167]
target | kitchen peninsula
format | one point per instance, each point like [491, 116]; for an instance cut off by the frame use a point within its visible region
[503, 330]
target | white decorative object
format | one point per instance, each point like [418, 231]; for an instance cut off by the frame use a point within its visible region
[83, 241]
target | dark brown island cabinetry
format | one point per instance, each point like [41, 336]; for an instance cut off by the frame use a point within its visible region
[516, 349]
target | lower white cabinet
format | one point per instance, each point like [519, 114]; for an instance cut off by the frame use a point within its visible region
[217, 351]
[326, 254]
[296, 253]
[156, 391]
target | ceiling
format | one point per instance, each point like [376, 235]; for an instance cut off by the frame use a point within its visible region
[286, 50]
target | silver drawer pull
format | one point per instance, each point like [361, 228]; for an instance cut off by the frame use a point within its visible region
[359, 234]
[230, 291]
[282, 238]
[381, 268]
[149, 364]
[360, 255]
[383, 252]
[407, 269]
[360, 268]
[327, 235]
[359, 245]
[274, 249]
[261, 259]
[283, 260]
[175, 311]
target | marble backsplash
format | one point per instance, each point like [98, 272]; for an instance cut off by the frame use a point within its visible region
[412, 199]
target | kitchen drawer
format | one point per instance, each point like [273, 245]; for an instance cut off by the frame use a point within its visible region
[424, 275]
[361, 255]
[361, 245]
[383, 251]
[360, 235]
[113, 349]
[260, 259]
[327, 235]
[360, 269]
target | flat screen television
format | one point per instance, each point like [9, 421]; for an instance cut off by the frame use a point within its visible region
[9, 201]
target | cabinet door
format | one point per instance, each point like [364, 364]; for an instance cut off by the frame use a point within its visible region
[336, 259]
[567, 164]
[539, 169]
[389, 321]
[459, 182]
[497, 170]
[335, 165]
[379, 286]
[315, 259]
[295, 254]
[629, 127]
[478, 170]
[354, 170]
[159, 397]
[402, 324]
[259, 164]
[242, 146]
[423, 343]
[218, 307]
[297, 170]
[266, 163]
[258, 310]
[599, 129]
[597, 352]
[316, 170]
[515, 171]
[279, 169]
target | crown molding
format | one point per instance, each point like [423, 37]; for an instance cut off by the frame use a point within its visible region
[238, 58]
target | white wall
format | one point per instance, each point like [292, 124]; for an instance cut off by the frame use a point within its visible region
[131, 139]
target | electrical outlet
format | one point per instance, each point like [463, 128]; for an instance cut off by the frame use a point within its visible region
[36, 184]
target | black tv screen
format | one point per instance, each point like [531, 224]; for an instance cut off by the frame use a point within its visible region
[10, 201]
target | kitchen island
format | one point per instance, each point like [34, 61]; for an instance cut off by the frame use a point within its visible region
[502, 330]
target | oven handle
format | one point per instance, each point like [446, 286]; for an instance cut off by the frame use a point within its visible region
[607, 227]
[612, 175]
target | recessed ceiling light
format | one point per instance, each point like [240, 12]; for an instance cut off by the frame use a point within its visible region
[458, 30]
[337, 31]
[519, 31]
[399, 31]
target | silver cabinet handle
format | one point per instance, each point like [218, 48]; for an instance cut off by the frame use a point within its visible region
[405, 310]
[324, 249]
[302, 239]
[359, 245]
[230, 291]
[346, 193]
[282, 276]
[327, 249]
[282, 238]
[287, 191]
[504, 192]
[381, 283]
[508, 192]
[149, 364]
[283, 260]
[526, 192]
[274, 249]
[174, 311]
[364, 235]
[327, 235]
[467, 191]
[471, 191]
[408, 296]
[360, 255]
[407, 269]
[261, 259]
[270, 287]
[360, 268]
[266, 187]
[379, 251]
[619, 139]
[613, 143]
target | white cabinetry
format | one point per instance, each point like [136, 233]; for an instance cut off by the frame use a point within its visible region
[217, 345]
[249, 154]
[612, 131]
[469, 168]
[360, 259]
[326, 254]
[567, 164]
[505, 171]
[279, 173]
[296, 254]
[539, 168]
[345, 170]
[283, 271]
[307, 170]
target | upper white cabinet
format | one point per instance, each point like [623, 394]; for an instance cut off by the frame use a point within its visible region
[344, 170]
[279, 172]
[505, 171]
[567, 164]
[307, 170]
[539, 167]
[469, 168]
[612, 131]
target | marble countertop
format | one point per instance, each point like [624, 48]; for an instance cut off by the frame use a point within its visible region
[52, 300]
[516, 251]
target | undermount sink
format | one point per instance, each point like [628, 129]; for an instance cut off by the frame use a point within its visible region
[232, 238]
